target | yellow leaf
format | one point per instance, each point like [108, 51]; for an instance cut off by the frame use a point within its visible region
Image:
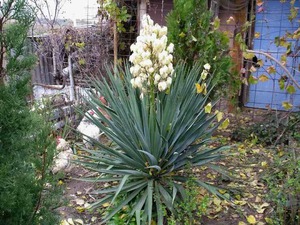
[248, 55]
[265, 204]
[253, 79]
[199, 88]
[242, 202]
[263, 78]
[251, 219]
[222, 191]
[80, 209]
[153, 222]
[60, 182]
[257, 199]
[106, 204]
[64, 222]
[230, 19]
[259, 2]
[81, 62]
[287, 105]
[264, 164]
[217, 201]
[242, 223]
[252, 69]
[216, 23]
[260, 223]
[225, 124]
[70, 221]
[269, 220]
[204, 89]
[182, 35]
[257, 35]
[260, 210]
[260, 63]
[220, 116]
[271, 69]
[80, 221]
[207, 108]
[290, 89]
[242, 175]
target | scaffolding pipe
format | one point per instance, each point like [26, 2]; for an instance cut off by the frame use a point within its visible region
[72, 85]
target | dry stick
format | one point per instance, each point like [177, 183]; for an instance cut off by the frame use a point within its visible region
[115, 45]
[41, 191]
[279, 63]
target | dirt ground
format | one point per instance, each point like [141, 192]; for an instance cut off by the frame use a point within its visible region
[246, 164]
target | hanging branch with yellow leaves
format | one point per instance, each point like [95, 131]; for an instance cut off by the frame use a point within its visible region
[117, 13]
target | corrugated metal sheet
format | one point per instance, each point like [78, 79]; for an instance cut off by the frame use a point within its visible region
[42, 73]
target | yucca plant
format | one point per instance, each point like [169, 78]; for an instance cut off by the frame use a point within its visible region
[156, 133]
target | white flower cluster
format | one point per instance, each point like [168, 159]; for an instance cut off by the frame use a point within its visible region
[151, 58]
[205, 71]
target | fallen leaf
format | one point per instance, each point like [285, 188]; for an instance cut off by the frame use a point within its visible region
[216, 201]
[79, 201]
[79, 221]
[222, 191]
[260, 223]
[219, 116]
[257, 199]
[240, 202]
[269, 220]
[64, 222]
[225, 124]
[264, 164]
[106, 204]
[251, 219]
[80, 209]
[70, 221]
[242, 223]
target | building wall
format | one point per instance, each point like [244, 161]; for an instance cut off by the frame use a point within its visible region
[158, 10]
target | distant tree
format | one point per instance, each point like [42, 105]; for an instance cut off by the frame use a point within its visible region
[16, 18]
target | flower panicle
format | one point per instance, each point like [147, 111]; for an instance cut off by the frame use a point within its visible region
[151, 58]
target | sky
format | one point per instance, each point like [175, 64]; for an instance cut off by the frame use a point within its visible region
[78, 9]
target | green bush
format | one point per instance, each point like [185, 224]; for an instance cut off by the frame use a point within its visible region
[274, 129]
[26, 151]
[283, 179]
[196, 36]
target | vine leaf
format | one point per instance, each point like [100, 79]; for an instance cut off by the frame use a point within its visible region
[263, 78]
[290, 89]
[287, 105]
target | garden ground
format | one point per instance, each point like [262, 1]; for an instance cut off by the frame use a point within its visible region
[248, 164]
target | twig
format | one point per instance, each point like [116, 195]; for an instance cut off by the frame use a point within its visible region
[279, 63]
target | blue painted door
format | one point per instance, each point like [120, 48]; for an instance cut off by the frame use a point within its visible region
[271, 22]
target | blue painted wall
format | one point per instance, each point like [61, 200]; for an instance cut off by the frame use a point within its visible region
[272, 22]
